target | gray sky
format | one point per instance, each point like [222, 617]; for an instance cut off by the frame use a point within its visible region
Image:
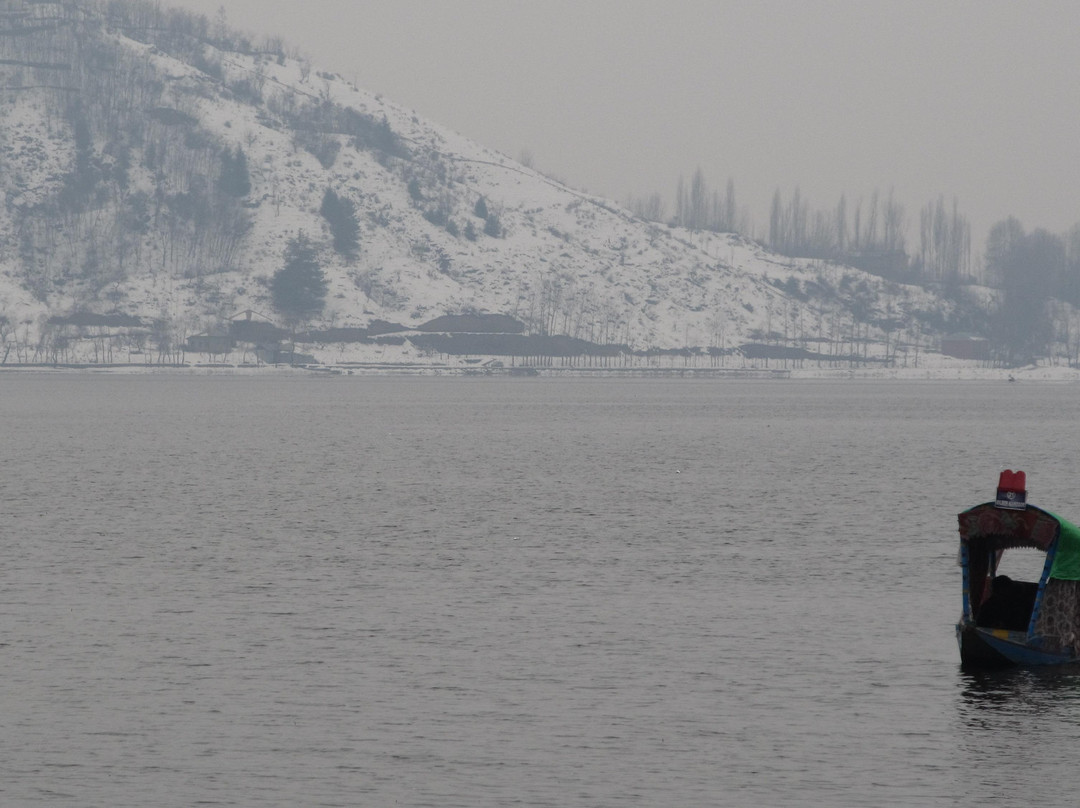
[978, 100]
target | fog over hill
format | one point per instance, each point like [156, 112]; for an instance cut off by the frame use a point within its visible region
[159, 167]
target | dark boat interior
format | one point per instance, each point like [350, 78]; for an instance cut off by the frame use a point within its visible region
[1009, 605]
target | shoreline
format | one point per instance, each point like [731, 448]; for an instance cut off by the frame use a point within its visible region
[952, 372]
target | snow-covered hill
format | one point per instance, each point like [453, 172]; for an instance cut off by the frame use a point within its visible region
[118, 123]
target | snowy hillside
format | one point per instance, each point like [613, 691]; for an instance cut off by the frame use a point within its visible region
[121, 132]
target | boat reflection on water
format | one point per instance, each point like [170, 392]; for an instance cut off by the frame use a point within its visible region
[1009, 732]
[1025, 691]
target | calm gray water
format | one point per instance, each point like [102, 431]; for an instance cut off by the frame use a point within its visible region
[473, 592]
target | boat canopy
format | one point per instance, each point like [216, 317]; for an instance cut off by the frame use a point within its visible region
[987, 530]
[989, 527]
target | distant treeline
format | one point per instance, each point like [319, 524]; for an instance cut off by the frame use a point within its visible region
[1031, 271]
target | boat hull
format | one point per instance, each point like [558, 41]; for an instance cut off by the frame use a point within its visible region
[989, 648]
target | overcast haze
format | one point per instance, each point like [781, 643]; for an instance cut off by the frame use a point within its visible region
[972, 99]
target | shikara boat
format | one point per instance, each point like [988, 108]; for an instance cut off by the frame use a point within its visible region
[1008, 622]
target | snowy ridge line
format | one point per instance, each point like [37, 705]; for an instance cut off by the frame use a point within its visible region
[600, 202]
[564, 262]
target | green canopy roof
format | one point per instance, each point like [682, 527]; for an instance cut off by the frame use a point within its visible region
[1066, 565]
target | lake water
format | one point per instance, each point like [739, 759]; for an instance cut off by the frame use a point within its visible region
[291, 591]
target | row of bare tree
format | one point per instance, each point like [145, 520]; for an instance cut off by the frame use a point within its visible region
[870, 235]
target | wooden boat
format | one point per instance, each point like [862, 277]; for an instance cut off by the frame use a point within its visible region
[1007, 622]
